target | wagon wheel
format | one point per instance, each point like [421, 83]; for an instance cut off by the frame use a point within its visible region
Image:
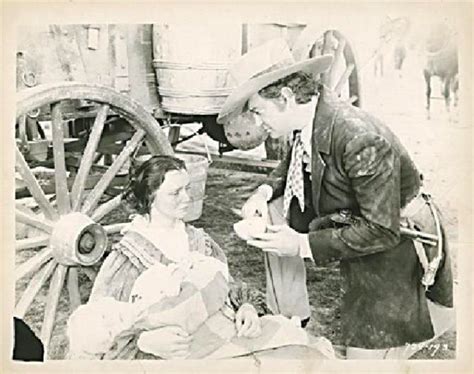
[343, 77]
[69, 236]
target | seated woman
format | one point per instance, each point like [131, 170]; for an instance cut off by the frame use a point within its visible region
[165, 292]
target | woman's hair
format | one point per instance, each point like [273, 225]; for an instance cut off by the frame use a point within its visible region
[147, 178]
[303, 85]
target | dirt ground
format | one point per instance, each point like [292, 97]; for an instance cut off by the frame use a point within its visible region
[439, 147]
[227, 189]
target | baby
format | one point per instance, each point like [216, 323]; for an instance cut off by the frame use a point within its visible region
[160, 281]
[183, 294]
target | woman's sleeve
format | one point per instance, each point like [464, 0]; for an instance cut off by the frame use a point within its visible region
[215, 249]
[115, 278]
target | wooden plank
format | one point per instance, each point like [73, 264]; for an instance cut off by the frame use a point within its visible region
[34, 187]
[33, 288]
[73, 289]
[33, 263]
[33, 127]
[62, 192]
[54, 292]
[238, 163]
[88, 158]
[173, 135]
[22, 129]
[93, 198]
[33, 220]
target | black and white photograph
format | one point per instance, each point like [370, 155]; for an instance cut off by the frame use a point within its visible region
[269, 185]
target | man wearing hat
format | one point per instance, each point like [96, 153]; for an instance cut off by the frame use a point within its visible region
[347, 191]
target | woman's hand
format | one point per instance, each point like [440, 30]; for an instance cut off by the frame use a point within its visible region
[247, 322]
[166, 342]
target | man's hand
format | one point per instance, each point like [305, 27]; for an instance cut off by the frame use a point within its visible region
[256, 205]
[281, 240]
[247, 322]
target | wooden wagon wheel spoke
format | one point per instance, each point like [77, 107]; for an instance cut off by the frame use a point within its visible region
[69, 229]
[343, 79]
[90, 273]
[73, 288]
[34, 221]
[337, 62]
[89, 156]
[106, 208]
[62, 193]
[339, 54]
[34, 187]
[54, 292]
[114, 228]
[28, 243]
[327, 49]
[33, 263]
[351, 76]
[93, 198]
[33, 288]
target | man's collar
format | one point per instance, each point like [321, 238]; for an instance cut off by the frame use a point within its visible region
[323, 124]
[306, 138]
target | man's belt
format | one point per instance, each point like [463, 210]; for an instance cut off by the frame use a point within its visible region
[408, 228]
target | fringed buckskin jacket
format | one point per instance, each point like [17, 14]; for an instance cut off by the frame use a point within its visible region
[358, 164]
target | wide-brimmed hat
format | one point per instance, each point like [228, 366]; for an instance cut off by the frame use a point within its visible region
[262, 66]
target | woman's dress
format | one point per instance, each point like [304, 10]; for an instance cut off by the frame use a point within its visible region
[142, 247]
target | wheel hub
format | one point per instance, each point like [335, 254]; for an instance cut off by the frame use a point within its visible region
[78, 240]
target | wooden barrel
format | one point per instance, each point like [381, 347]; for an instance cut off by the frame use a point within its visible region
[191, 64]
[259, 33]
[140, 69]
[197, 167]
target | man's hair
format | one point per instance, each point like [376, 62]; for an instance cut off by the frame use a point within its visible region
[303, 85]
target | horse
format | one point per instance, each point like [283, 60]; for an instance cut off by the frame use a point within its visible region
[442, 61]
[391, 32]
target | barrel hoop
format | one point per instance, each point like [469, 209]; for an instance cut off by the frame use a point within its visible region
[177, 93]
[166, 64]
[186, 109]
[151, 78]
